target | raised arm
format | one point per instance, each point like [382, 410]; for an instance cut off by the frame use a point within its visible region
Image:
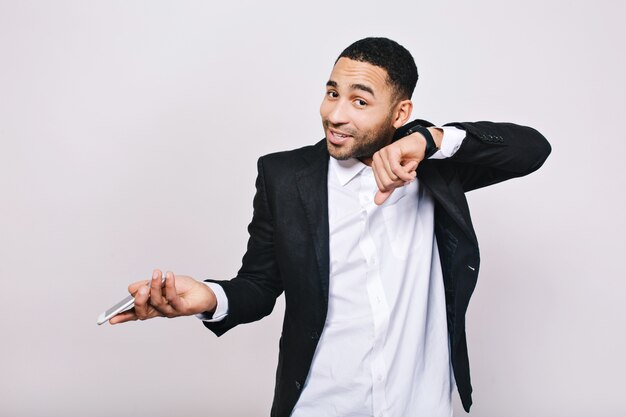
[495, 152]
[489, 153]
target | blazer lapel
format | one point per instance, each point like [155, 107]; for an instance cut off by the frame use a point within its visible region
[312, 183]
[430, 176]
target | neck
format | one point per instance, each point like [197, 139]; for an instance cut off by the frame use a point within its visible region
[366, 160]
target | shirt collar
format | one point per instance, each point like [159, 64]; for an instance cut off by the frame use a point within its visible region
[347, 169]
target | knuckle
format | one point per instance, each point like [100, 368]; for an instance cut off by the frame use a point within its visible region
[156, 304]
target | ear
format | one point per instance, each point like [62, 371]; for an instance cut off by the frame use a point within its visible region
[402, 113]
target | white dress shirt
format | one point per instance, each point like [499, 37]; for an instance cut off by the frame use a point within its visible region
[384, 349]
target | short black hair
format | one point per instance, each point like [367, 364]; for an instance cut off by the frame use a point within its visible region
[390, 56]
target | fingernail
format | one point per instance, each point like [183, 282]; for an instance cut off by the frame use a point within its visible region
[143, 291]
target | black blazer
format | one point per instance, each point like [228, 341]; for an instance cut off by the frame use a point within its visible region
[288, 245]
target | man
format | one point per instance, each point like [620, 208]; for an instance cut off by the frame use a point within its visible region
[369, 235]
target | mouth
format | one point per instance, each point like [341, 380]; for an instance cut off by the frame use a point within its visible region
[337, 138]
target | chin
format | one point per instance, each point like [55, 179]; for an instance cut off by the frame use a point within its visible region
[340, 153]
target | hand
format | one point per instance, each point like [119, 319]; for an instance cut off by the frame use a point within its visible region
[394, 165]
[179, 296]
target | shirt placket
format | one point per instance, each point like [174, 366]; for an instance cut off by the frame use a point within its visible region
[376, 294]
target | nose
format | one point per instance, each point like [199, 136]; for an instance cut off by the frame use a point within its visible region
[337, 113]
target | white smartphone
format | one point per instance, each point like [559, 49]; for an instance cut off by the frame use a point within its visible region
[124, 305]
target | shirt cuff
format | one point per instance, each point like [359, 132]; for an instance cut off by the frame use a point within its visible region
[450, 143]
[221, 310]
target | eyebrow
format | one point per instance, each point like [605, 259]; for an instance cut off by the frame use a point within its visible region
[361, 87]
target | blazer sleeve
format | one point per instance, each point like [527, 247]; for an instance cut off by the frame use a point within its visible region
[491, 152]
[252, 293]
[494, 152]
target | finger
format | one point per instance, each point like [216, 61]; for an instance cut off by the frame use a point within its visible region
[173, 299]
[380, 174]
[384, 182]
[142, 307]
[385, 154]
[134, 287]
[392, 156]
[156, 295]
[410, 167]
[158, 300]
[404, 171]
[123, 317]
[379, 184]
[382, 196]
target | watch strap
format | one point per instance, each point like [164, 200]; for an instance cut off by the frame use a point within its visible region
[431, 147]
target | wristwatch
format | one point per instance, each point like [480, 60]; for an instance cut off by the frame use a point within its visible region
[431, 147]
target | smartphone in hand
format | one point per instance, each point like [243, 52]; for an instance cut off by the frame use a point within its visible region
[124, 305]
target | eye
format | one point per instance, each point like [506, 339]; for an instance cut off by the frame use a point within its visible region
[332, 94]
[360, 102]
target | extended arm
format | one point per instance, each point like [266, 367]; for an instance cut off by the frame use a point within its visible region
[251, 295]
[176, 296]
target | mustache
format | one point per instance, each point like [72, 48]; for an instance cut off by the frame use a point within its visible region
[327, 124]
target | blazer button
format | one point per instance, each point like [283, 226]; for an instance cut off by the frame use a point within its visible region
[298, 385]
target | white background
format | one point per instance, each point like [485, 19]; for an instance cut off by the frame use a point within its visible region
[129, 132]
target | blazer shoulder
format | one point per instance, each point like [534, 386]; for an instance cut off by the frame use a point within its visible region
[294, 159]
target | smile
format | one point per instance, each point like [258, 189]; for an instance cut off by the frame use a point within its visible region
[337, 138]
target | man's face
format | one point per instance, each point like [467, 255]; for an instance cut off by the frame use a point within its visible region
[357, 110]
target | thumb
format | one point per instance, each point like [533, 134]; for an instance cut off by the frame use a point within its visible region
[382, 196]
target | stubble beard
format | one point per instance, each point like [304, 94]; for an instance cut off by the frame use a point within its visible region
[364, 144]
